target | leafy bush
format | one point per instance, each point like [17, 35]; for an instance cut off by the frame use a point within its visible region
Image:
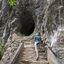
[2, 49]
[12, 3]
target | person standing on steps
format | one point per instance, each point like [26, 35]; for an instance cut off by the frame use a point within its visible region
[37, 40]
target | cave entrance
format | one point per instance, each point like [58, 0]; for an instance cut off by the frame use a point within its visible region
[27, 23]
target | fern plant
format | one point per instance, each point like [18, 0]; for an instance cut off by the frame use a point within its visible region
[12, 3]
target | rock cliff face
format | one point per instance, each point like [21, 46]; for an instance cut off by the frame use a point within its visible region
[54, 15]
[31, 15]
[24, 18]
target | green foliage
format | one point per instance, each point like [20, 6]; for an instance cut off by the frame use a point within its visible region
[2, 49]
[12, 3]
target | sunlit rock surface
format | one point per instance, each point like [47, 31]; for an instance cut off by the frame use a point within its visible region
[36, 8]
[54, 15]
[57, 44]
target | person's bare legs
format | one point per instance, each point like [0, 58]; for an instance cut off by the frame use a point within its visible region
[37, 56]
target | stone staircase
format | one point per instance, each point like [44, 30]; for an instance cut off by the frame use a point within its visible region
[28, 55]
[42, 53]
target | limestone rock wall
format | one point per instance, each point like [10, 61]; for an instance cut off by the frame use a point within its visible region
[11, 17]
[54, 15]
[47, 15]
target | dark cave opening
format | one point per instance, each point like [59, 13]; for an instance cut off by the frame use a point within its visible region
[27, 23]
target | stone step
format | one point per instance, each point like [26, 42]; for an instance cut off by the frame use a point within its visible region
[31, 45]
[39, 62]
[27, 44]
[29, 53]
[34, 62]
[29, 49]
[43, 57]
[43, 54]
